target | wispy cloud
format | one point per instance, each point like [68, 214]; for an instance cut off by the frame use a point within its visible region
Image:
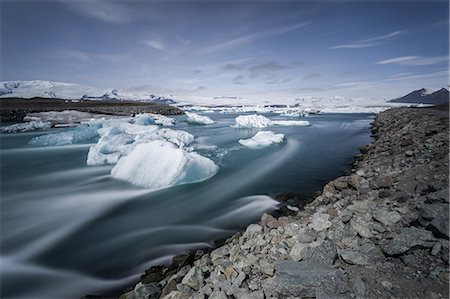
[238, 79]
[231, 67]
[369, 42]
[90, 57]
[155, 44]
[106, 11]
[249, 38]
[278, 81]
[414, 60]
[266, 69]
[311, 76]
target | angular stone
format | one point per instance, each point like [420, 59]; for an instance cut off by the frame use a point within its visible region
[297, 251]
[319, 221]
[324, 254]
[303, 279]
[307, 236]
[361, 225]
[252, 229]
[329, 190]
[354, 257]
[431, 211]
[355, 181]
[388, 218]
[408, 238]
[194, 278]
[440, 223]
[176, 295]
[384, 181]
[220, 252]
[441, 195]
[340, 183]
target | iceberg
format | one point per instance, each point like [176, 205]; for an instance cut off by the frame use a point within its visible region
[253, 121]
[118, 139]
[259, 121]
[262, 139]
[84, 133]
[161, 164]
[161, 119]
[27, 126]
[194, 118]
[301, 123]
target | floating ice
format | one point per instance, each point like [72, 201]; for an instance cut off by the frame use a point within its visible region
[144, 120]
[160, 164]
[161, 119]
[194, 118]
[252, 121]
[259, 121]
[66, 117]
[118, 139]
[27, 126]
[84, 133]
[301, 123]
[262, 139]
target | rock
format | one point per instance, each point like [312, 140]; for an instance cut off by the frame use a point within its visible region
[359, 287]
[297, 251]
[440, 223]
[266, 267]
[409, 153]
[388, 218]
[252, 230]
[354, 257]
[319, 221]
[176, 295]
[340, 183]
[387, 285]
[303, 279]
[194, 278]
[431, 211]
[307, 236]
[355, 181]
[329, 190]
[441, 195]
[436, 248]
[361, 225]
[266, 218]
[406, 239]
[168, 288]
[217, 294]
[384, 181]
[151, 290]
[324, 254]
[220, 252]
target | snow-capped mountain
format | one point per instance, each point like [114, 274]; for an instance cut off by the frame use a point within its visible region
[425, 96]
[60, 90]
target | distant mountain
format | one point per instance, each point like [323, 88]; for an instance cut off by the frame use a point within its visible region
[60, 90]
[425, 96]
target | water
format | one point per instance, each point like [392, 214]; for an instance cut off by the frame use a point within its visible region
[68, 229]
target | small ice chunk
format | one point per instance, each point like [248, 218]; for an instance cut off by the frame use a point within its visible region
[301, 123]
[161, 120]
[144, 120]
[262, 139]
[160, 164]
[252, 121]
[194, 118]
[27, 126]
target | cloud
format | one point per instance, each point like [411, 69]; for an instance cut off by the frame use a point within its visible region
[311, 76]
[249, 38]
[231, 67]
[238, 79]
[106, 11]
[199, 87]
[369, 42]
[414, 60]
[90, 57]
[197, 71]
[155, 44]
[278, 81]
[266, 69]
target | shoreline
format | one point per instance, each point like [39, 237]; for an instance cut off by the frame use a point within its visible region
[363, 227]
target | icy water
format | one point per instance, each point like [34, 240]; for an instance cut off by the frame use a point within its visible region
[68, 229]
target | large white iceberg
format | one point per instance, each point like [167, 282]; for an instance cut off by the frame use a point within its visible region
[26, 126]
[262, 139]
[252, 121]
[161, 164]
[259, 121]
[152, 119]
[118, 139]
[194, 118]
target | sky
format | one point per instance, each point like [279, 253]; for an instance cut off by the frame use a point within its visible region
[272, 50]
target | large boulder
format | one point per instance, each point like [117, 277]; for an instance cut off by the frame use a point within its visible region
[406, 239]
[303, 279]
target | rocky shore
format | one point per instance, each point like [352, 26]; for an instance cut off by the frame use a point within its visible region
[15, 109]
[380, 232]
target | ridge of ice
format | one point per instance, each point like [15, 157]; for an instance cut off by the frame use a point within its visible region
[27, 126]
[197, 119]
[262, 139]
[259, 121]
[160, 164]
